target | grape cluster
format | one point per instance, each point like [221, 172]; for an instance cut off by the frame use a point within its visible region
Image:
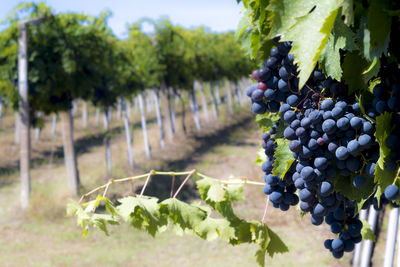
[327, 134]
[281, 191]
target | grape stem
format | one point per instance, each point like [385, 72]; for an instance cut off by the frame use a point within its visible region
[184, 182]
[265, 210]
[236, 180]
[397, 176]
[172, 186]
[146, 182]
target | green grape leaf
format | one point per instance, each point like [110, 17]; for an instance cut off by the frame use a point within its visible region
[309, 35]
[130, 204]
[142, 212]
[255, 39]
[379, 26]
[260, 257]
[341, 37]
[275, 244]
[283, 158]
[283, 14]
[366, 231]
[383, 130]
[373, 69]
[234, 192]
[265, 121]
[216, 192]
[372, 84]
[344, 185]
[261, 157]
[75, 209]
[383, 177]
[353, 68]
[211, 229]
[101, 220]
[93, 204]
[243, 24]
[182, 214]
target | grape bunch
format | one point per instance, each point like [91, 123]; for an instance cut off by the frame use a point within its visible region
[281, 191]
[329, 137]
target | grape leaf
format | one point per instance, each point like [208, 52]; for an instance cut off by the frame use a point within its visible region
[255, 39]
[275, 244]
[234, 192]
[372, 84]
[244, 23]
[130, 204]
[216, 193]
[341, 37]
[353, 66]
[373, 69]
[211, 229]
[182, 214]
[366, 231]
[283, 158]
[283, 14]
[309, 35]
[383, 130]
[344, 185]
[265, 121]
[383, 177]
[142, 212]
[379, 26]
[101, 220]
[261, 157]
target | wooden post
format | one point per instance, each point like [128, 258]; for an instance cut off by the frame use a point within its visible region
[159, 118]
[213, 102]
[127, 133]
[84, 114]
[71, 164]
[144, 128]
[204, 105]
[53, 124]
[107, 141]
[24, 120]
[194, 108]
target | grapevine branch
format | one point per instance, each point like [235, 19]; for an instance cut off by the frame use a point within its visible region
[189, 174]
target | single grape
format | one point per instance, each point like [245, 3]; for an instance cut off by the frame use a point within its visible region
[329, 126]
[359, 181]
[292, 100]
[276, 197]
[353, 147]
[341, 153]
[259, 107]
[337, 112]
[307, 173]
[327, 104]
[391, 192]
[343, 123]
[325, 188]
[251, 89]
[356, 123]
[316, 220]
[321, 163]
[336, 227]
[269, 94]
[364, 140]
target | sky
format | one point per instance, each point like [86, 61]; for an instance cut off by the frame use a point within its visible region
[218, 15]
